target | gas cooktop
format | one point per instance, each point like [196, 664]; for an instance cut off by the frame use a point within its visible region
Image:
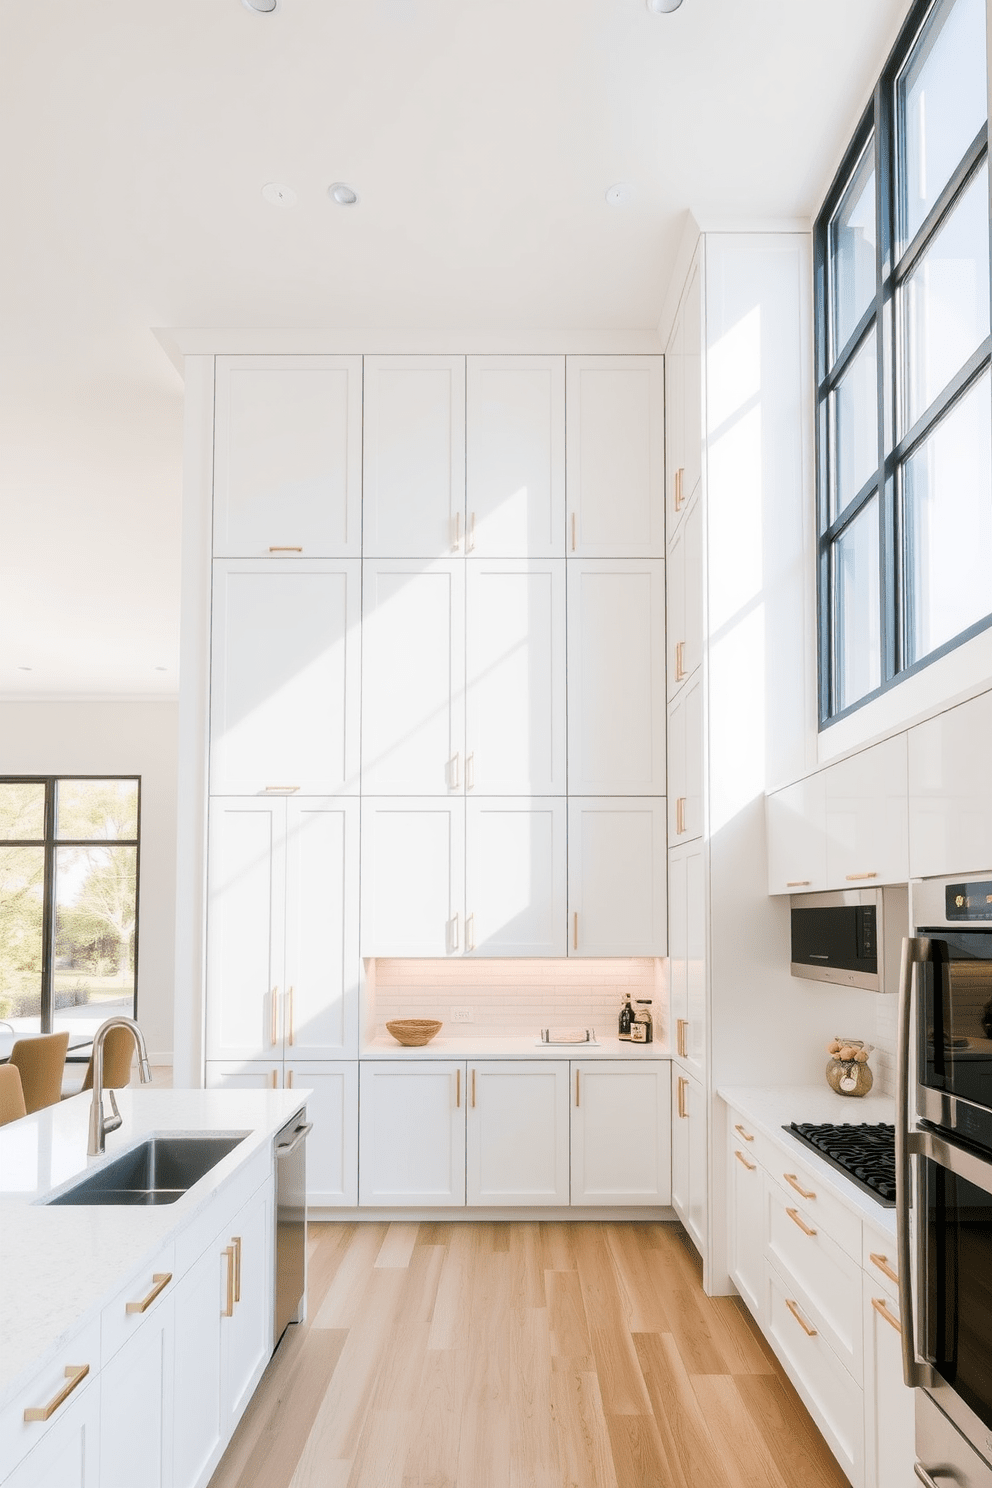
[865, 1153]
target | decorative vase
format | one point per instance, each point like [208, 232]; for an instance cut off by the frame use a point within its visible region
[850, 1076]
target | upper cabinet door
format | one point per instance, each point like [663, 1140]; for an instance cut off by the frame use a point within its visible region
[515, 666]
[322, 957]
[950, 791]
[867, 817]
[617, 890]
[616, 678]
[414, 478]
[675, 424]
[795, 823]
[515, 877]
[413, 877]
[288, 457]
[285, 677]
[615, 467]
[515, 473]
[692, 373]
[413, 670]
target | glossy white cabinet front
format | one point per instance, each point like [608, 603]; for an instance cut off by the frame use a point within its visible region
[795, 820]
[412, 1134]
[616, 877]
[615, 469]
[621, 1133]
[865, 804]
[517, 1140]
[950, 791]
[515, 457]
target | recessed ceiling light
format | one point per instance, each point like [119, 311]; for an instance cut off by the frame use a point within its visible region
[277, 195]
[660, 7]
[262, 7]
[161, 669]
[620, 193]
[343, 194]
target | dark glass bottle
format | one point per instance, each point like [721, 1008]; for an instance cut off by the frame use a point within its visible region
[626, 1018]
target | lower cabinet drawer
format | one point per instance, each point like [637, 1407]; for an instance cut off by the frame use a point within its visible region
[831, 1395]
[149, 1291]
[825, 1277]
[54, 1390]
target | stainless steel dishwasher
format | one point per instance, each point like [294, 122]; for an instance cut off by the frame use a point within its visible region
[291, 1223]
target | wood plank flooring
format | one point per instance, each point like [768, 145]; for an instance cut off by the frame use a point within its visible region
[523, 1355]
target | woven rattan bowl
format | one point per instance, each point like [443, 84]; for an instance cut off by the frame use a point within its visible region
[414, 1031]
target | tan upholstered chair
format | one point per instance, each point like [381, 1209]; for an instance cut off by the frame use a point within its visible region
[11, 1094]
[41, 1062]
[118, 1055]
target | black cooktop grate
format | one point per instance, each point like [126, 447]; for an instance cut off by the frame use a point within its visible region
[866, 1154]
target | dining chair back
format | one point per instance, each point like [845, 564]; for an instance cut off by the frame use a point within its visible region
[41, 1064]
[11, 1094]
[118, 1056]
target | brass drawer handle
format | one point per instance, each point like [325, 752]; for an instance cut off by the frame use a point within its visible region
[681, 1089]
[679, 475]
[292, 1031]
[879, 1305]
[798, 883]
[882, 1262]
[680, 661]
[742, 1133]
[810, 1332]
[228, 1253]
[681, 1025]
[161, 1280]
[751, 1167]
[473, 1090]
[576, 1087]
[793, 1182]
[284, 550]
[274, 1019]
[857, 877]
[458, 1089]
[796, 1219]
[237, 1268]
[75, 1374]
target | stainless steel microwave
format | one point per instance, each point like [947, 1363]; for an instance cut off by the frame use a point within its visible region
[842, 937]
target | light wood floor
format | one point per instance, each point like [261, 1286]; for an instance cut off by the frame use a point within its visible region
[521, 1356]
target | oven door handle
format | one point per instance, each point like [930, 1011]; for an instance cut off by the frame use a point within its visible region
[915, 952]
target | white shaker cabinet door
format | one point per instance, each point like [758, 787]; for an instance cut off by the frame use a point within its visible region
[695, 1218]
[413, 877]
[680, 1145]
[867, 817]
[890, 1420]
[136, 1406]
[515, 459]
[950, 791]
[517, 1133]
[515, 667]
[322, 908]
[412, 1134]
[692, 406]
[795, 822]
[678, 952]
[245, 928]
[694, 1040]
[285, 677]
[413, 678]
[616, 678]
[69, 1454]
[515, 876]
[244, 1074]
[617, 877]
[675, 612]
[675, 423]
[685, 763]
[621, 1132]
[288, 456]
[414, 471]
[200, 1418]
[747, 1227]
[332, 1146]
[615, 461]
[246, 1335]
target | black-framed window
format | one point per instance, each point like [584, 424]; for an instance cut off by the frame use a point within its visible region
[903, 347]
[68, 901]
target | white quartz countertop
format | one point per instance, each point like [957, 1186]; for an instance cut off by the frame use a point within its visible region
[769, 1110]
[60, 1265]
[511, 1046]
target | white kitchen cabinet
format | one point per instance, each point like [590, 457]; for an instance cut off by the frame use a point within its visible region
[692, 400]
[515, 456]
[413, 677]
[515, 664]
[890, 1422]
[285, 676]
[515, 876]
[950, 791]
[243, 1074]
[616, 678]
[517, 1141]
[746, 1260]
[68, 1456]
[332, 1146]
[685, 763]
[136, 1406]
[675, 422]
[412, 1134]
[621, 1146]
[615, 456]
[795, 820]
[808, 1256]
[282, 921]
[413, 876]
[866, 817]
[687, 955]
[288, 456]
[617, 889]
[689, 1161]
[680, 1144]
[684, 564]
[414, 456]
[201, 1417]
[246, 1335]
[678, 952]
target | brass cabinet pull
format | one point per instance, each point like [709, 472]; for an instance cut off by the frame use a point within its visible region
[237, 1267]
[289, 1002]
[289, 1079]
[453, 931]
[680, 816]
[882, 1262]
[454, 771]
[881, 1308]
[681, 1097]
[798, 883]
[275, 1079]
[284, 550]
[458, 1089]
[573, 532]
[284, 790]
[575, 931]
[810, 1332]
[470, 772]
[745, 1134]
[797, 1219]
[473, 1090]
[679, 474]
[470, 540]
[680, 661]
[75, 1374]
[470, 932]
[161, 1280]
[793, 1182]
[576, 1087]
[458, 530]
[274, 1020]
[680, 1039]
[857, 877]
[751, 1167]
[228, 1253]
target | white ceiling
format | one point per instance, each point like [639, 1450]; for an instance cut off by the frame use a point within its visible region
[482, 138]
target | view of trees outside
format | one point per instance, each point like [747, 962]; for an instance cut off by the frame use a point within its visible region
[95, 902]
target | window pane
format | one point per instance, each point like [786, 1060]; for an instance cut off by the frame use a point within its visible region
[855, 426]
[94, 935]
[856, 611]
[941, 103]
[22, 811]
[947, 501]
[946, 299]
[852, 251]
[22, 891]
[97, 809]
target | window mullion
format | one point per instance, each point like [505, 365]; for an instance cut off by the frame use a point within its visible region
[48, 914]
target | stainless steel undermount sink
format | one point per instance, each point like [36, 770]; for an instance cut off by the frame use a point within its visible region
[157, 1171]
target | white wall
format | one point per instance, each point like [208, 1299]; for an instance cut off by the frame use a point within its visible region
[118, 738]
